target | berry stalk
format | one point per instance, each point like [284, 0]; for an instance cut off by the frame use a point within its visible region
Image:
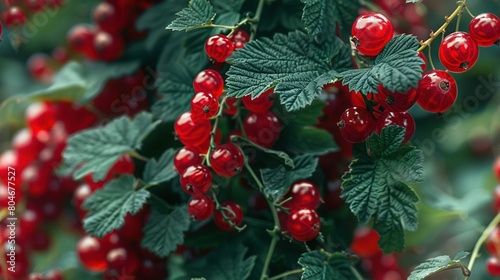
[448, 20]
[480, 242]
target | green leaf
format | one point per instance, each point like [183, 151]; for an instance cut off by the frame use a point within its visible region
[375, 185]
[227, 262]
[296, 65]
[397, 68]
[435, 265]
[277, 181]
[176, 88]
[96, 150]
[164, 232]
[199, 12]
[282, 156]
[318, 266]
[321, 17]
[109, 206]
[309, 140]
[161, 170]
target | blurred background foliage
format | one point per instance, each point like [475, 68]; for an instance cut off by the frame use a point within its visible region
[460, 146]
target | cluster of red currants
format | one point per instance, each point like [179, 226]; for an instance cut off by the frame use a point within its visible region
[436, 91]
[15, 15]
[298, 216]
[118, 254]
[39, 192]
[378, 265]
[114, 26]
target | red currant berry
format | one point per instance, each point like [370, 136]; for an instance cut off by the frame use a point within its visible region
[1, 29]
[356, 124]
[493, 242]
[370, 32]
[358, 100]
[53, 275]
[365, 242]
[304, 194]
[230, 108]
[204, 105]
[403, 119]
[437, 91]
[397, 101]
[209, 81]
[458, 52]
[260, 104]
[496, 199]
[185, 158]
[493, 266]
[239, 38]
[107, 16]
[35, 276]
[40, 117]
[191, 131]
[108, 46]
[60, 55]
[200, 207]
[81, 39]
[226, 160]
[232, 211]
[304, 224]
[219, 47]
[39, 68]
[485, 29]
[91, 253]
[122, 261]
[14, 17]
[196, 179]
[35, 5]
[262, 129]
[422, 56]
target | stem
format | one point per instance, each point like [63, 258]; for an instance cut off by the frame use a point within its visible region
[136, 155]
[457, 26]
[448, 19]
[256, 19]
[223, 210]
[285, 274]
[270, 252]
[480, 241]
[356, 273]
[254, 176]
[469, 12]
[212, 145]
[429, 55]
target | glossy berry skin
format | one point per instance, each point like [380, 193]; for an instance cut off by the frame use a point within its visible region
[107, 17]
[204, 106]
[122, 260]
[108, 46]
[370, 32]
[397, 101]
[496, 199]
[81, 39]
[39, 68]
[40, 117]
[262, 129]
[493, 266]
[219, 47]
[304, 194]
[209, 81]
[91, 253]
[422, 56]
[14, 17]
[230, 108]
[200, 207]
[304, 224]
[485, 29]
[437, 91]
[493, 242]
[356, 124]
[190, 131]
[260, 104]
[458, 52]
[226, 160]
[365, 242]
[185, 158]
[54, 275]
[403, 119]
[239, 38]
[496, 168]
[196, 179]
[235, 215]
